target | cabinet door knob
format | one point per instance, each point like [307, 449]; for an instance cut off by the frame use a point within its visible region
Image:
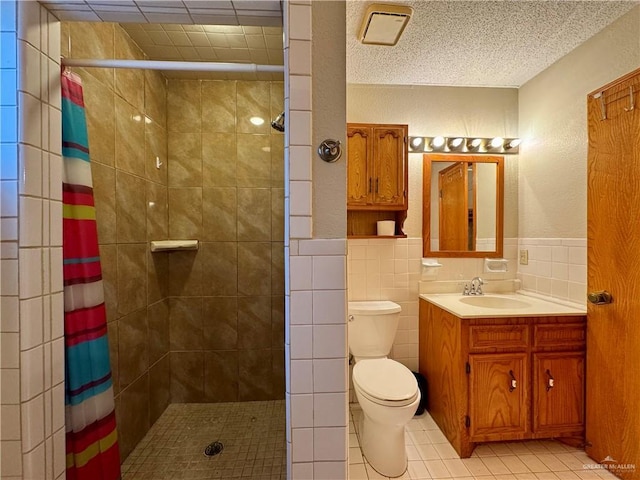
[550, 380]
[514, 383]
[601, 297]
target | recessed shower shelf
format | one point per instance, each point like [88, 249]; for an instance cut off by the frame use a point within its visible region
[173, 245]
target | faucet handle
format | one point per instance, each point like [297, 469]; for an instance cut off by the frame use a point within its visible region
[465, 291]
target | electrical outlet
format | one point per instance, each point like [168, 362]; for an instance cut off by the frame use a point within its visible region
[524, 257]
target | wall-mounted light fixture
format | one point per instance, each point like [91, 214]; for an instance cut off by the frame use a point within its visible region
[472, 145]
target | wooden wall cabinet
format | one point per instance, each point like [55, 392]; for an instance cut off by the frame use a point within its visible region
[497, 379]
[377, 177]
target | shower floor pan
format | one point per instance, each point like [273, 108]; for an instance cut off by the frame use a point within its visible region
[252, 433]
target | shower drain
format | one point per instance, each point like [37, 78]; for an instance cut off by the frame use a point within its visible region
[213, 449]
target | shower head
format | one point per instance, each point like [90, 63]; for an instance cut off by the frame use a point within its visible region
[278, 123]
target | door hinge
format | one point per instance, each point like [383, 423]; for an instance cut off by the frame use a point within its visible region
[467, 421]
[467, 368]
[440, 193]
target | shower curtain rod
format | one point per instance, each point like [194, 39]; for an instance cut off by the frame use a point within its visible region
[174, 65]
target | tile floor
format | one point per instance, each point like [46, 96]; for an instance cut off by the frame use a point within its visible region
[253, 435]
[431, 456]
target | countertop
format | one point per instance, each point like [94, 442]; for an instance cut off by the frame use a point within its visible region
[520, 306]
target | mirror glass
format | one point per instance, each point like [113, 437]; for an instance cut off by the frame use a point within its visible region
[462, 205]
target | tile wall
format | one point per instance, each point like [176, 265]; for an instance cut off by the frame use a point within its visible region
[226, 188]
[126, 119]
[557, 267]
[315, 275]
[31, 325]
[387, 269]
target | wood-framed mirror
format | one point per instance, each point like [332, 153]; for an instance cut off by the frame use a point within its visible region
[462, 205]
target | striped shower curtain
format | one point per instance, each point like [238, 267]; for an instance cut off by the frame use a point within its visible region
[91, 438]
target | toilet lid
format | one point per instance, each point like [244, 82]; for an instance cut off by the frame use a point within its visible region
[385, 379]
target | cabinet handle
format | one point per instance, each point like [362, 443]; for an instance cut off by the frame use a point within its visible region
[369, 184]
[514, 383]
[377, 180]
[550, 380]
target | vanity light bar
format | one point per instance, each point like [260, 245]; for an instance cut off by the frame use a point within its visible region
[471, 145]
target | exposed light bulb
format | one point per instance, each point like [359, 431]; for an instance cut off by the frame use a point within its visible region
[513, 143]
[496, 142]
[257, 121]
[437, 142]
[416, 142]
[455, 142]
[475, 143]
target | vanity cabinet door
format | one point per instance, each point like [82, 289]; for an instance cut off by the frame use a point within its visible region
[498, 397]
[558, 394]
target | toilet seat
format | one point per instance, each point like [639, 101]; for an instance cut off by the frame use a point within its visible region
[385, 382]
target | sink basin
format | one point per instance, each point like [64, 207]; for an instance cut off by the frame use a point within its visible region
[493, 302]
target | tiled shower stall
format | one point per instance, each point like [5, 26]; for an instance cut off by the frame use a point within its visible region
[32, 325]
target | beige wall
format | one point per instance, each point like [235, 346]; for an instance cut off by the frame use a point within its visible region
[329, 91]
[226, 188]
[126, 119]
[553, 125]
[447, 111]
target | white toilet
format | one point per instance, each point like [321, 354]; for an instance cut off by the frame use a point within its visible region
[387, 390]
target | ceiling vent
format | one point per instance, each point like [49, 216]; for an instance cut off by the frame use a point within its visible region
[383, 24]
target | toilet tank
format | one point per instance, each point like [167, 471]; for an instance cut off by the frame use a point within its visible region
[372, 328]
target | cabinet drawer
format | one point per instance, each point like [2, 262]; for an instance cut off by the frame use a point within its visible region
[560, 335]
[491, 338]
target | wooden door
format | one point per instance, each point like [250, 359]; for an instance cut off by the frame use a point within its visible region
[453, 212]
[359, 180]
[558, 394]
[498, 398]
[613, 262]
[389, 166]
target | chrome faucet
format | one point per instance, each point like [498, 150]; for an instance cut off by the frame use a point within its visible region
[476, 286]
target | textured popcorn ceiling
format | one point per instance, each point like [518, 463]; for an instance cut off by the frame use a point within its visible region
[476, 43]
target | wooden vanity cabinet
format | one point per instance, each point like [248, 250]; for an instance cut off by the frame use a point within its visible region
[377, 176]
[497, 379]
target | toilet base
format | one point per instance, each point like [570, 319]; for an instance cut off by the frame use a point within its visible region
[383, 446]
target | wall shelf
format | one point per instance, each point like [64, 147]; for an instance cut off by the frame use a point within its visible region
[173, 245]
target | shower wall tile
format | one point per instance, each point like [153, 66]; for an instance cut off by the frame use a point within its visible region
[133, 418]
[185, 160]
[155, 150]
[220, 214]
[277, 268]
[109, 261]
[221, 376]
[159, 388]
[130, 208]
[184, 106]
[254, 322]
[218, 107]
[255, 379]
[185, 212]
[93, 40]
[132, 277]
[129, 138]
[155, 97]
[277, 161]
[254, 214]
[186, 329]
[220, 323]
[185, 277]
[254, 160]
[220, 261]
[133, 352]
[277, 214]
[129, 82]
[276, 102]
[252, 104]
[157, 277]
[157, 214]
[254, 268]
[277, 321]
[187, 377]
[159, 339]
[219, 160]
[101, 118]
